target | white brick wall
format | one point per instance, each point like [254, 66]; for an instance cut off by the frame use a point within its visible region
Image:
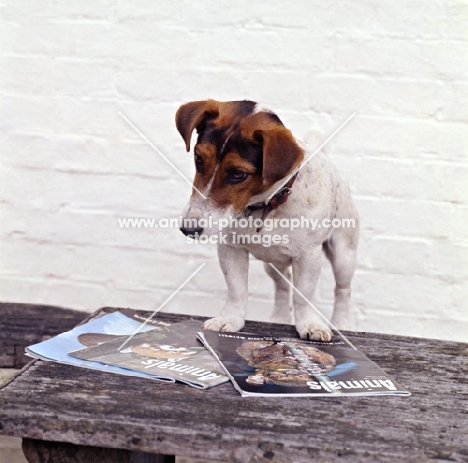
[71, 166]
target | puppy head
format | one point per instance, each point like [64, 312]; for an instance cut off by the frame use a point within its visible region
[241, 152]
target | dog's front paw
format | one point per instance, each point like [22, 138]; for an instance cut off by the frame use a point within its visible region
[232, 324]
[314, 331]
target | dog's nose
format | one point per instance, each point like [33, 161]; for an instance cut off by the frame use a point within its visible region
[191, 231]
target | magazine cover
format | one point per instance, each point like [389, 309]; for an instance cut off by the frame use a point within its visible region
[175, 353]
[275, 366]
[97, 330]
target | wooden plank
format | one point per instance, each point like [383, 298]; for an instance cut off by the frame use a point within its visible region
[24, 324]
[57, 402]
[39, 451]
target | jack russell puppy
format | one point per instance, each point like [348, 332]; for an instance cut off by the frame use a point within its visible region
[248, 164]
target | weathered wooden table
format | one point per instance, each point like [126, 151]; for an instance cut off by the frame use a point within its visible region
[66, 414]
[24, 324]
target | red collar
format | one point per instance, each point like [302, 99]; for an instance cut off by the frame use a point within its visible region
[275, 201]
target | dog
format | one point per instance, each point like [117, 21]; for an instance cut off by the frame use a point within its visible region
[248, 165]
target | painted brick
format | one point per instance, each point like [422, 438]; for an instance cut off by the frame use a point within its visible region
[403, 294]
[49, 9]
[261, 86]
[244, 14]
[390, 254]
[443, 328]
[26, 289]
[451, 94]
[450, 260]
[403, 178]
[60, 115]
[395, 56]
[144, 11]
[403, 137]
[459, 298]
[71, 78]
[375, 95]
[90, 155]
[406, 20]
[72, 166]
[84, 39]
[157, 122]
[407, 218]
[93, 192]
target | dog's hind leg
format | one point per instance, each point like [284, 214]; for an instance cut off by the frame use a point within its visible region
[341, 251]
[282, 311]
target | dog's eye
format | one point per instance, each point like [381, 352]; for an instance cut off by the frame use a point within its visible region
[198, 163]
[236, 176]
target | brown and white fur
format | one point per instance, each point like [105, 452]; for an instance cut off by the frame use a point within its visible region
[242, 154]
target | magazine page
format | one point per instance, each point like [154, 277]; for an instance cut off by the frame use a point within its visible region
[276, 366]
[97, 330]
[175, 353]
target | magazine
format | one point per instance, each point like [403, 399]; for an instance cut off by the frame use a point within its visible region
[271, 366]
[101, 329]
[174, 353]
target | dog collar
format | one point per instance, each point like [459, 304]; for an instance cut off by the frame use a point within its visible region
[275, 201]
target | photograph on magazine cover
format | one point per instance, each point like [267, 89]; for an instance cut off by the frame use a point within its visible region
[98, 330]
[174, 353]
[262, 365]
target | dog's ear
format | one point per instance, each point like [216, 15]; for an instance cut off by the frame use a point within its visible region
[193, 115]
[281, 153]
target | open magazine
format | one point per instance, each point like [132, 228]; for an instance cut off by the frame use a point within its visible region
[281, 366]
[173, 353]
[98, 330]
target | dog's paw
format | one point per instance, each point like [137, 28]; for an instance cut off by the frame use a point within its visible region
[314, 331]
[232, 324]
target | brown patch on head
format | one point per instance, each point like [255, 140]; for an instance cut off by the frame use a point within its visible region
[281, 153]
[205, 165]
[191, 115]
[239, 153]
[226, 192]
[196, 114]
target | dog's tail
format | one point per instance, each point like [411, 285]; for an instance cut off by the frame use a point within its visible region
[314, 138]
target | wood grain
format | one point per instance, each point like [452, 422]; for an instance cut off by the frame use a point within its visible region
[38, 451]
[55, 402]
[25, 324]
